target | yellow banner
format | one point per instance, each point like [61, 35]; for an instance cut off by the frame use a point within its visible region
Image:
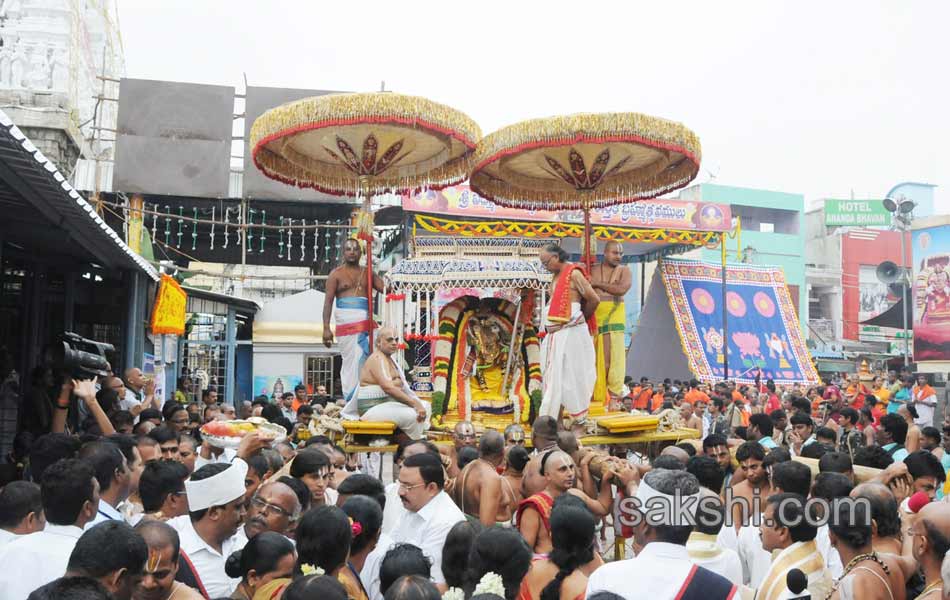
[168, 315]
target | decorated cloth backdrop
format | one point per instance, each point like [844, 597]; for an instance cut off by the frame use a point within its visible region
[763, 328]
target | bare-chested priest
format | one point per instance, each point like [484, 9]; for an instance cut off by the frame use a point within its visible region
[611, 279]
[480, 491]
[385, 395]
[346, 301]
[560, 474]
[463, 436]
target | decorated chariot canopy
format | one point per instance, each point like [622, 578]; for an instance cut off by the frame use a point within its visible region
[367, 143]
[364, 144]
[442, 262]
[584, 161]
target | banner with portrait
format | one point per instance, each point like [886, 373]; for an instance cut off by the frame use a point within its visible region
[931, 290]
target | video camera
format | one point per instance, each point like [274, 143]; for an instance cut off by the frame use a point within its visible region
[80, 357]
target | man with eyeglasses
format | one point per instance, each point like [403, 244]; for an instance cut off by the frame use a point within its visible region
[384, 394]
[162, 490]
[275, 507]
[215, 512]
[568, 365]
[430, 512]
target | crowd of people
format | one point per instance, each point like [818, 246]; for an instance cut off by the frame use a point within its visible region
[833, 491]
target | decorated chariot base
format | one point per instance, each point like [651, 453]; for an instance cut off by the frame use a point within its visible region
[467, 312]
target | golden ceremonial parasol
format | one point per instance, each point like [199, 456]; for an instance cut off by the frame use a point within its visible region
[584, 161]
[364, 144]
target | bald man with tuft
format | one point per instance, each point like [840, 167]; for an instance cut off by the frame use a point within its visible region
[611, 279]
[385, 395]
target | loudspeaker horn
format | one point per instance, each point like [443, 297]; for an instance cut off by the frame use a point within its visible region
[888, 272]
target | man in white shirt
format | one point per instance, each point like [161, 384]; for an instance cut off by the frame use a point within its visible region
[274, 507]
[70, 496]
[925, 400]
[394, 510]
[113, 475]
[113, 554]
[207, 533]
[663, 569]
[139, 393]
[21, 511]
[430, 513]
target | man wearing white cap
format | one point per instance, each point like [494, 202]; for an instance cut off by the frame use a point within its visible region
[661, 511]
[215, 511]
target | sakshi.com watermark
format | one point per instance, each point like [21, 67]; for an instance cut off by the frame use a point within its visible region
[714, 511]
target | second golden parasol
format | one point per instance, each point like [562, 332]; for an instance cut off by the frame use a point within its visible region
[584, 161]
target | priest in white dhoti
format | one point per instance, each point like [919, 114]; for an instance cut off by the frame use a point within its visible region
[384, 394]
[663, 570]
[568, 362]
[792, 547]
[346, 299]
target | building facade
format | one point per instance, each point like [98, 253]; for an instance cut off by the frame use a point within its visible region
[845, 290]
[57, 59]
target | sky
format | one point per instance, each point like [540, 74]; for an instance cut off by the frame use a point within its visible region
[827, 99]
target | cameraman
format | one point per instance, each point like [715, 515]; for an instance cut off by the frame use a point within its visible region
[85, 390]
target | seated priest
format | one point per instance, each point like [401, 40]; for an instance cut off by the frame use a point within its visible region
[384, 394]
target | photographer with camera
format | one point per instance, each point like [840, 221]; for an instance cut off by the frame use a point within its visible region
[85, 391]
[82, 362]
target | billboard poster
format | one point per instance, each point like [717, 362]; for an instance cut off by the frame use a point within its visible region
[661, 213]
[874, 298]
[931, 251]
[873, 293]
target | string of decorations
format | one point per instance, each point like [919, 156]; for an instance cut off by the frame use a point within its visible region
[295, 240]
